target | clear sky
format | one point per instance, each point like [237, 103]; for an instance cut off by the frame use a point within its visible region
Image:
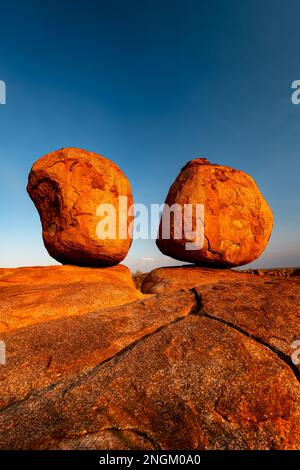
[150, 85]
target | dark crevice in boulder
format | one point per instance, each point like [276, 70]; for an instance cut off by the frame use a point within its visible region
[31, 394]
[138, 432]
[198, 300]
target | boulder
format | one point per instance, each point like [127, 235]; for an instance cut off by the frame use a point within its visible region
[162, 280]
[35, 294]
[202, 369]
[237, 220]
[67, 188]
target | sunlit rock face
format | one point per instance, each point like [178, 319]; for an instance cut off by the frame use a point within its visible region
[237, 220]
[36, 294]
[213, 367]
[67, 187]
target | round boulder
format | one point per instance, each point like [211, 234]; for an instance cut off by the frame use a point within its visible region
[236, 220]
[80, 199]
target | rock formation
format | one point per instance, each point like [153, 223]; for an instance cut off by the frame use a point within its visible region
[37, 294]
[207, 367]
[169, 279]
[237, 219]
[202, 359]
[67, 187]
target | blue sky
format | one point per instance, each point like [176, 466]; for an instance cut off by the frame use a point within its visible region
[150, 85]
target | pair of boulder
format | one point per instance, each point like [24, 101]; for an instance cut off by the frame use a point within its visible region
[68, 186]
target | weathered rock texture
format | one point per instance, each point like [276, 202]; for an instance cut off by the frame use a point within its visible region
[67, 347]
[168, 279]
[277, 272]
[67, 187]
[33, 295]
[268, 310]
[207, 368]
[238, 220]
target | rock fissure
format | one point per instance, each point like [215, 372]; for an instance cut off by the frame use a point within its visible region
[119, 354]
[282, 356]
[138, 432]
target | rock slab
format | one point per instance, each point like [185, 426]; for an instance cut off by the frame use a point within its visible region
[36, 294]
[168, 279]
[201, 368]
